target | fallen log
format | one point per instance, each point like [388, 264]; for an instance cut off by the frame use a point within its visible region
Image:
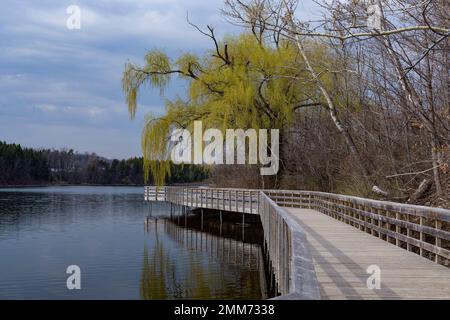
[424, 186]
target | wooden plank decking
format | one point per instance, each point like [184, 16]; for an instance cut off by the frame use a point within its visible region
[342, 254]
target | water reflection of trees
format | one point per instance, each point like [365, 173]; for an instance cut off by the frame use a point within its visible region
[190, 264]
[64, 207]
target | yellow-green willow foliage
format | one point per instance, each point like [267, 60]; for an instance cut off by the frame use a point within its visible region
[242, 84]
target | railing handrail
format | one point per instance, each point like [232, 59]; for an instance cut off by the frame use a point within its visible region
[359, 200]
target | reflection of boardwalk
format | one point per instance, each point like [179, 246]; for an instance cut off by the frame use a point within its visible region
[224, 249]
[342, 255]
[175, 270]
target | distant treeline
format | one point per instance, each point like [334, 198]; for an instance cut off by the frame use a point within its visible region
[24, 166]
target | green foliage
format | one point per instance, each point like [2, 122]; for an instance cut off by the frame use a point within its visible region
[244, 84]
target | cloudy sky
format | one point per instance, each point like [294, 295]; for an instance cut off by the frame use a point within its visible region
[61, 88]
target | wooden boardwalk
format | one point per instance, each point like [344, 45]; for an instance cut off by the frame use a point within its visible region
[342, 254]
[320, 245]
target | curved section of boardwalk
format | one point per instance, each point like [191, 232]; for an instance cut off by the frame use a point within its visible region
[320, 245]
[342, 254]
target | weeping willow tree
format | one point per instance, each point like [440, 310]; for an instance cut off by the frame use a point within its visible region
[243, 82]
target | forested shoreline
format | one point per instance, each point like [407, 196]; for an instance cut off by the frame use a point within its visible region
[31, 167]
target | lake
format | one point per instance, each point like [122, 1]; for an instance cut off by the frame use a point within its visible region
[125, 248]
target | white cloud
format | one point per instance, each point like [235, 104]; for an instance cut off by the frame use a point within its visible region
[90, 112]
[46, 107]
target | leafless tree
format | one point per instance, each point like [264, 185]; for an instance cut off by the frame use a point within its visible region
[393, 56]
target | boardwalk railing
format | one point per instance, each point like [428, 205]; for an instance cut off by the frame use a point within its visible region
[155, 194]
[422, 230]
[236, 200]
[285, 242]
[288, 250]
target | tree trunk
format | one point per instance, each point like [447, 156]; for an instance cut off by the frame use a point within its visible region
[436, 158]
[332, 111]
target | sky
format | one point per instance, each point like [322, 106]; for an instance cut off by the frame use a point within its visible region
[61, 87]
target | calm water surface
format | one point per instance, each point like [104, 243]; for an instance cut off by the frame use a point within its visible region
[123, 253]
